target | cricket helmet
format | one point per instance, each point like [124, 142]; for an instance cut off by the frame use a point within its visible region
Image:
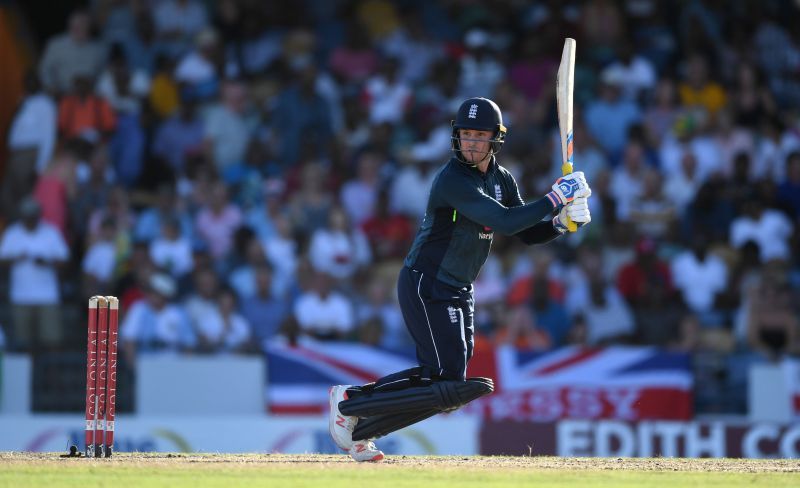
[478, 114]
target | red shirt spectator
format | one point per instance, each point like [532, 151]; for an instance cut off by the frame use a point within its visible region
[82, 111]
[647, 270]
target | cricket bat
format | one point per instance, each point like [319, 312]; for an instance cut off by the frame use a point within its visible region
[564, 87]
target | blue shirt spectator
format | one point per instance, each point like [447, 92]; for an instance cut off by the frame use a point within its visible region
[609, 117]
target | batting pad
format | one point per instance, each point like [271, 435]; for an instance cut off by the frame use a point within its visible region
[382, 425]
[441, 396]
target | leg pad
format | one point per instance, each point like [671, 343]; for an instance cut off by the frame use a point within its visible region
[443, 396]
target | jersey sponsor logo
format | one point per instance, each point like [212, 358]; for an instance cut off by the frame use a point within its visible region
[473, 111]
[485, 235]
[498, 193]
[451, 311]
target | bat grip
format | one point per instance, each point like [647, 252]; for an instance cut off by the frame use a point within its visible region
[566, 168]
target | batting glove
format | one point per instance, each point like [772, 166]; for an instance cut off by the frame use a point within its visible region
[578, 211]
[569, 187]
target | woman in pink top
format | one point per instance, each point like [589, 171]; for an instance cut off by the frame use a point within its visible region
[54, 188]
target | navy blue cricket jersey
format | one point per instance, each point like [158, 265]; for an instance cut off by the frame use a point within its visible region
[465, 208]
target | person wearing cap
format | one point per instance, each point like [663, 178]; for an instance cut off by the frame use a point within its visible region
[610, 115]
[472, 197]
[156, 323]
[35, 251]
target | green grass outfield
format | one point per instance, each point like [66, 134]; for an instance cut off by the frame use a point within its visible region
[328, 471]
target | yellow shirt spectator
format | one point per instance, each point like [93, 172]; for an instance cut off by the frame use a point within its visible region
[710, 96]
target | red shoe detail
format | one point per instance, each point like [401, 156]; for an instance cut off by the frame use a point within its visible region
[340, 421]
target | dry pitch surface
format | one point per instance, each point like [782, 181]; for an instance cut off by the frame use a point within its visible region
[330, 471]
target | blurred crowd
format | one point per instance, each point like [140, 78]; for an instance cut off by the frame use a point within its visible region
[238, 170]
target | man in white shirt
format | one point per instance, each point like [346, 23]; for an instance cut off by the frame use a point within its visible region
[156, 323]
[71, 54]
[31, 140]
[767, 227]
[35, 250]
[700, 276]
[322, 312]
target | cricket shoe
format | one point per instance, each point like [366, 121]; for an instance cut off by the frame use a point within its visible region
[366, 451]
[340, 426]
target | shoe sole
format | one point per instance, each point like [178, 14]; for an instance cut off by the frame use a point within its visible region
[374, 459]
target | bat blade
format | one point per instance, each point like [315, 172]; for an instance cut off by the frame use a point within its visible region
[565, 82]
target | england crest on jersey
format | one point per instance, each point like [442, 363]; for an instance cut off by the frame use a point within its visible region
[498, 193]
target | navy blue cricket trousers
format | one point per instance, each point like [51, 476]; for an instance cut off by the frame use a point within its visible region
[440, 320]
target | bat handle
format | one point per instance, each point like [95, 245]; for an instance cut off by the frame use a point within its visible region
[566, 168]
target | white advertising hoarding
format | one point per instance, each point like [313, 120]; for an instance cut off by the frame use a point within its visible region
[292, 435]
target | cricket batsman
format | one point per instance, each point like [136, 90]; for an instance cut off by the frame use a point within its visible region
[471, 198]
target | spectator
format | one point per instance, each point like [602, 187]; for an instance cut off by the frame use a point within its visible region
[150, 221]
[627, 180]
[302, 121]
[227, 128]
[681, 187]
[264, 310]
[698, 91]
[379, 310]
[354, 60]
[155, 323]
[281, 252]
[542, 321]
[338, 249]
[125, 89]
[772, 150]
[71, 55]
[171, 251]
[179, 136]
[100, 262]
[389, 233]
[733, 141]
[609, 117]
[652, 214]
[261, 218]
[408, 193]
[387, 96]
[701, 277]
[35, 251]
[769, 228]
[636, 72]
[225, 330]
[646, 271]
[164, 95]
[217, 221]
[310, 205]
[358, 195]
[414, 47]
[243, 277]
[201, 304]
[322, 312]
[481, 71]
[198, 70]
[179, 21]
[608, 318]
[81, 113]
[772, 327]
[31, 142]
[55, 188]
[661, 114]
